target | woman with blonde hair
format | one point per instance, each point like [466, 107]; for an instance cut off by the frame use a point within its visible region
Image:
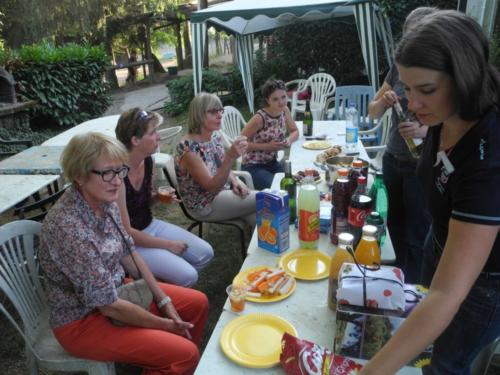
[207, 186]
[85, 253]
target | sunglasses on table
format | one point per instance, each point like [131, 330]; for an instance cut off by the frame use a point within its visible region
[108, 175]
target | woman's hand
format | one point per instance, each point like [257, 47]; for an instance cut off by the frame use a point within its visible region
[174, 322]
[389, 98]
[238, 148]
[177, 247]
[412, 129]
[240, 189]
[277, 145]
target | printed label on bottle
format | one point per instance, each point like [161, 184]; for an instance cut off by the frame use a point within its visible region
[357, 216]
[351, 135]
[417, 141]
[308, 225]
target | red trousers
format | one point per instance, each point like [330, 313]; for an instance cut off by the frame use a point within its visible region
[158, 352]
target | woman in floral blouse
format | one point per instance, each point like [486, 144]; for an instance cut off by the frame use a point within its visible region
[267, 134]
[84, 259]
[207, 186]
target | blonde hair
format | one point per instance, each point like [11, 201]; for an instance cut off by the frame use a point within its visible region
[84, 150]
[198, 108]
[135, 123]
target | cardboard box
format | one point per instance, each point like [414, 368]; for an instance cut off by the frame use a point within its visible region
[273, 217]
[361, 332]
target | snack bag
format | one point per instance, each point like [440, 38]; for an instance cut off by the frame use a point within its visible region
[302, 357]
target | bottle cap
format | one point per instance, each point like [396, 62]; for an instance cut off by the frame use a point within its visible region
[357, 163]
[361, 180]
[346, 239]
[343, 172]
[370, 230]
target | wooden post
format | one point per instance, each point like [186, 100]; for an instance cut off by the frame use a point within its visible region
[148, 51]
[178, 46]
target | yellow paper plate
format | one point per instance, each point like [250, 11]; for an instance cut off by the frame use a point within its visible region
[254, 340]
[305, 264]
[316, 145]
[241, 278]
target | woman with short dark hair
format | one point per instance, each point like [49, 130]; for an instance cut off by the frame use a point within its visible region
[173, 254]
[452, 88]
[271, 129]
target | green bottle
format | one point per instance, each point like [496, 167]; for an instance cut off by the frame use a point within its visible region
[378, 194]
[289, 185]
[307, 123]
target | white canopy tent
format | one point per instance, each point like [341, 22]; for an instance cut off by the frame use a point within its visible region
[245, 18]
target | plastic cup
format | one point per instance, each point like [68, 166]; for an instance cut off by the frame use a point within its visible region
[166, 194]
[237, 295]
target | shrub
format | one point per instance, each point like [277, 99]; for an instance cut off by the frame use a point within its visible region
[181, 89]
[66, 82]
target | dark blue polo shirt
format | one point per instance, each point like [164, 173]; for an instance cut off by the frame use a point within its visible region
[471, 192]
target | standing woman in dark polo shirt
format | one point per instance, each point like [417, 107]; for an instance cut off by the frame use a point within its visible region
[452, 88]
[408, 220]
[172, 253]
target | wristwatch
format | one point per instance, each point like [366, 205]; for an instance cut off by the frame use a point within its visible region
[164, 301]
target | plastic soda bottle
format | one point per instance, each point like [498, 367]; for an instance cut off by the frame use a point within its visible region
[340, 203]
[289, 185]
[368, 252]
[380, 197]
[376, 220]
[351, 129]
[340, 257]
[308, 209]
[354, 173]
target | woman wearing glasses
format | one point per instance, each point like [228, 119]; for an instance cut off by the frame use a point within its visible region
[172, 253]
[267, 134]
[84, 259]
[206, 184]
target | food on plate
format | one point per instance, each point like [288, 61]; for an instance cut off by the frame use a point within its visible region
[316, 145]
[268, 281]
[332, 151]
[299, 176]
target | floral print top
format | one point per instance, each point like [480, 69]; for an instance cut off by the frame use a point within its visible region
[274, 129]
[80, 256]
[212, 153]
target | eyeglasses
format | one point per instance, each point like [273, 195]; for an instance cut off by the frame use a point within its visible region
[109, 174]
[215, 111]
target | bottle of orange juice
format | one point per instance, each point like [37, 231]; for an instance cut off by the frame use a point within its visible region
[368, 251]
[340, 257]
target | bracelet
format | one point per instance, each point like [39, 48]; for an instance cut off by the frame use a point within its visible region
[164, 301]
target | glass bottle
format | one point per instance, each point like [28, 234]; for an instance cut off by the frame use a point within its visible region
[380, 198]
[368, 252]
[340, 202]
[339, 257]
[308, 210]
[415, 145]
[290, 186]
[307, 122]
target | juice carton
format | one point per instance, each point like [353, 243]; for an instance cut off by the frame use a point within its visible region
[273, 218]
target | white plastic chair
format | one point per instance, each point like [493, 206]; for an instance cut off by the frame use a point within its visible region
[322, 86]
[169, 171]
[297, 85]
[361, 96]
[22, 283]
[384, 123]
[168, 137]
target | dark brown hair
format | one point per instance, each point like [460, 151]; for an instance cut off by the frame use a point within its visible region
[270, 86]
[134, 123]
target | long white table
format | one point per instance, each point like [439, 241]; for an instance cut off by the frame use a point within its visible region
[306, 309]
[105, 125]
[15, 187]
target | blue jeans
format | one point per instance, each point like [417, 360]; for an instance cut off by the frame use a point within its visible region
[408, 220]
[263, 174]
[476, 324]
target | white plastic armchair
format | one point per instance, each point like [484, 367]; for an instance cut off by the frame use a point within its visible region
[297, 85]
[384, 124]
[22, 282]
[232, 124]
[322, 86]
[168, 138]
